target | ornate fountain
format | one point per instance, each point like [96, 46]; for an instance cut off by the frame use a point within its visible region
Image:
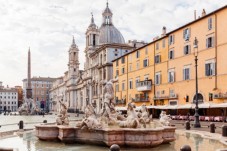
[110, 127]
[29, 107]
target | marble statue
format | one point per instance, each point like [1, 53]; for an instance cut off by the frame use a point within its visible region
[29, 107]
[164, 119]
[63, 117]
[90, 121]
[132, 120]
[109, 113]
[144, 115]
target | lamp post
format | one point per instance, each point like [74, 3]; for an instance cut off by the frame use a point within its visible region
[197, 123]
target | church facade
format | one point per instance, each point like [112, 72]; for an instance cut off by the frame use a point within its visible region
[78, 88]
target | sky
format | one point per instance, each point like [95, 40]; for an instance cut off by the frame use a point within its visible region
[47, 27]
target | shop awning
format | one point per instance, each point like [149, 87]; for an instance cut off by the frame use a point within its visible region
[186, 106]
[121, 108]
[204, 105]
[219, 105]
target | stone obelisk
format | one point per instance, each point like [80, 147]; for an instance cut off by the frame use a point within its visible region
[29, 89]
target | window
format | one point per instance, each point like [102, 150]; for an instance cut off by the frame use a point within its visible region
[157, 78]
[137, 54]
[130, 58]
[146, 77]
[146, 50]
[187, 49]
[210, 96]
[157, 59]
[157, 46]
[117, 87]
[123, 60]
[93, 42]
[117, 63]
[171, 75]
[130, 84]
[186, 34]
[137, 65]
[123, 86]
[163, 43]
[186, 73]
[171, 54]
[210, 68]
[116, 54]
[123, 70]
[210, 23]
[137, 80]
[117, 72]
[210, 42]
[171, 39]
[145, 63]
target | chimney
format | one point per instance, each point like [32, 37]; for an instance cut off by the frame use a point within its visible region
[163, 31]
[195, 14]
[203, 13]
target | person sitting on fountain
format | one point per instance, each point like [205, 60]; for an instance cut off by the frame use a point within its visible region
[132, 118]
[63, 117]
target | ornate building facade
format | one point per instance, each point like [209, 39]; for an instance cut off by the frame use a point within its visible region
[80, 88]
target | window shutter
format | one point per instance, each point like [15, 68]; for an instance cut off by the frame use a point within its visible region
[209, 23]
[213, 41]
[172, 54]
[189, 32]
[189, 49]
[184, 34]
[207, 69]
[160, 78]
[147, 62]
[184, 50]
[214, 68]
[207, 43]
[169, 40]
[173, 39]
[173, 76]
[183, 74]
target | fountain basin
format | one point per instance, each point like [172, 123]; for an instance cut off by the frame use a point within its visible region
[148, 137]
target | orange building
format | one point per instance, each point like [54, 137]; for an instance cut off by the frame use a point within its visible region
[161, 74]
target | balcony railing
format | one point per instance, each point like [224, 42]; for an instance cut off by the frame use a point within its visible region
[168, 97]
[144, 85]
[220, 96]
[141, 98]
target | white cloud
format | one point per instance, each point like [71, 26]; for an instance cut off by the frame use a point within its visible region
[47, 27]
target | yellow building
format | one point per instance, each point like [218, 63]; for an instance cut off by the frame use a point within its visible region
[162, 73]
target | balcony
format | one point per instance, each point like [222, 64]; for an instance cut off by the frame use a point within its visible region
[169, 97]
[220, 96]
[141, 98]
[144, 85]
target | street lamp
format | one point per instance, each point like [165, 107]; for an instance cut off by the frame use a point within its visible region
[196, 124]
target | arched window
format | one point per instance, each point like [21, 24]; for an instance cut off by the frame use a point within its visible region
[200, 98]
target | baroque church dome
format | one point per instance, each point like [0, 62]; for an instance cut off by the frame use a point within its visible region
[109, 33]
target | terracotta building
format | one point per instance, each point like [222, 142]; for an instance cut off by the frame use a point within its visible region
[40, 90]
[161, 74]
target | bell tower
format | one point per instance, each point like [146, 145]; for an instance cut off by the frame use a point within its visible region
[73, 64]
